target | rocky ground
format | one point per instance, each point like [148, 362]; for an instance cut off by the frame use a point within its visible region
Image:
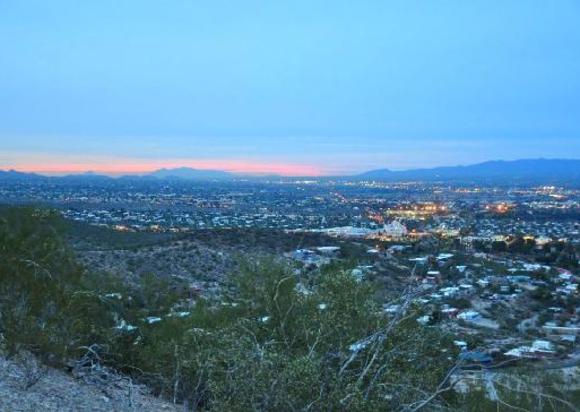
[25, 385]
[205, 256]
[185, 259]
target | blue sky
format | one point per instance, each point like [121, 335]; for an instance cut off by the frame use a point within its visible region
[330, 87]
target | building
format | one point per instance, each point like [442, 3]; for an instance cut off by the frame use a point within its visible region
[395, 229]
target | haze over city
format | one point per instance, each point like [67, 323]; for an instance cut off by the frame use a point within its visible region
[307, 88]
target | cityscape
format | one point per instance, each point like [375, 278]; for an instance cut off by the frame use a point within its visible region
[303, 206]
[495, 265]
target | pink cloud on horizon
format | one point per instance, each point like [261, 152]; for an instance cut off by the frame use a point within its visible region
[136, 166]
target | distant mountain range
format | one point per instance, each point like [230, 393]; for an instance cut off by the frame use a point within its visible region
[181, 173]
[541, 170]
[496, 171]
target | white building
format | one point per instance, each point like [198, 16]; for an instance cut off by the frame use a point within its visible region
[395, 229]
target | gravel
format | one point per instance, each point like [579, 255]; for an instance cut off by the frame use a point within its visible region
[28, 386]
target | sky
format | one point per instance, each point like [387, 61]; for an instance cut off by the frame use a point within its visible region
[302, 87]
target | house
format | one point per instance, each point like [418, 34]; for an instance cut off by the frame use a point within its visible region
[468, 315]
[444, 256]
[543, 346]
[538, 349]
[392, 309]
[449, 291]
[483, 283]
[568, 339]
[460, 344]
[565, 276]
[450, 312]
[550, 327]
[328, 250]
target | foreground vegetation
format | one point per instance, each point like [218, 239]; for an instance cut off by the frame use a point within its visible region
[267, 344]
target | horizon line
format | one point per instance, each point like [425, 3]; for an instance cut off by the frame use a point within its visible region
[136, 167]
[239, 168]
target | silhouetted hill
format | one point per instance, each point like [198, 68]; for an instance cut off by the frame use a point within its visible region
[87, 177]
[13, 175]
[541, 170]
[183, 173]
